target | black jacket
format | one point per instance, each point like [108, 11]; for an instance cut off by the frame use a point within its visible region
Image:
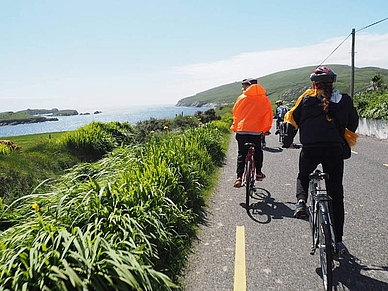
[315, 129]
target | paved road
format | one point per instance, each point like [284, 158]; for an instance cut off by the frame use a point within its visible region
[276, 244]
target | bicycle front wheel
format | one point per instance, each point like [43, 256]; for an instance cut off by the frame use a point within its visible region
[248, 183]
[325, 251]
[281, 134]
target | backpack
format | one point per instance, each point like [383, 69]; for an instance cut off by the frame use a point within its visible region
[283, 111]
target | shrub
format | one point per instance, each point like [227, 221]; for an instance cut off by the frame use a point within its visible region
[207, 116]
[373, 104]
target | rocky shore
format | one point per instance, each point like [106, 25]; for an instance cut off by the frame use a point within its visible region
[36, 115]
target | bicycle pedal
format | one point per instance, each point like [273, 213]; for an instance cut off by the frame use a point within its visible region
[300, 216]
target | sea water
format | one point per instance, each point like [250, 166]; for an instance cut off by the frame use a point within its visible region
[131, 115]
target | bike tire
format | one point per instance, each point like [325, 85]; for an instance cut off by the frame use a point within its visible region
[311, 212]
[325, 251]
[248, 183]
[280, 133]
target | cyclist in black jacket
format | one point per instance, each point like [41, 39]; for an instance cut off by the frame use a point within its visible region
[326, 121]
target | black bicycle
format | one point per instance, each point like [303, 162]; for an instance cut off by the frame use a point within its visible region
[248, 178]
[319, 209]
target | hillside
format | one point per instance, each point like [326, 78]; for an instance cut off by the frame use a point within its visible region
[286, 85]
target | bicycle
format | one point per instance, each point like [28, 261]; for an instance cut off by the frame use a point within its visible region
[319, 210]
[281, 132]
[249, 173]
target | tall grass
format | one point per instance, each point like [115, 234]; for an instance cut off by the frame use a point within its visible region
[92, 141]
[27, 160]
[122, 223]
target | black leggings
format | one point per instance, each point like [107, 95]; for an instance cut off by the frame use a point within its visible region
[242, 139]
[332, 163]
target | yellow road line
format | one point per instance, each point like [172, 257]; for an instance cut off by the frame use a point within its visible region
[385, 165]
[354, 152]
[240, 278]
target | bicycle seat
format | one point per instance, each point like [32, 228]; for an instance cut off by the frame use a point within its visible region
[249, 144]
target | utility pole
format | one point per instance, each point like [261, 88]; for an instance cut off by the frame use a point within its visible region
[352, 62]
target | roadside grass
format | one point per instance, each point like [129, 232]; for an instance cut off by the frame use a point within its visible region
[45, 156]
[92, 141]
[123, 222]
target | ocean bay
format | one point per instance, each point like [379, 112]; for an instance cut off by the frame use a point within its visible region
[131, 115]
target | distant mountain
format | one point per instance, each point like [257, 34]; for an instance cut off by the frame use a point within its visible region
[285, 85]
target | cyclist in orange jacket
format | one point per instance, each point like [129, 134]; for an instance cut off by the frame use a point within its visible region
[252, 117]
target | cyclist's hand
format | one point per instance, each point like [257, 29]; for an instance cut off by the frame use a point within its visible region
[267, 133]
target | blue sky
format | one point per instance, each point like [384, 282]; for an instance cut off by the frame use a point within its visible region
[97, 55]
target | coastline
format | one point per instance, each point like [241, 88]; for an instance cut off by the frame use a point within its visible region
[68, 123]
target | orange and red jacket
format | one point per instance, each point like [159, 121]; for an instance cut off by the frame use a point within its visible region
[252, 111]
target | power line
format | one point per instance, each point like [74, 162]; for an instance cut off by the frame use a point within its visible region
[334, 50]
[372, 24]
[350, 35]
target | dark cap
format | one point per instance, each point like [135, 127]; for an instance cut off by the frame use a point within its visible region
[249, 81]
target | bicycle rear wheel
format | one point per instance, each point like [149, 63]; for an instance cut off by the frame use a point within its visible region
[247, 181]
[325, 251]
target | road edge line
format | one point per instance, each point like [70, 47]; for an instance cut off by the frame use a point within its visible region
[240, 278]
